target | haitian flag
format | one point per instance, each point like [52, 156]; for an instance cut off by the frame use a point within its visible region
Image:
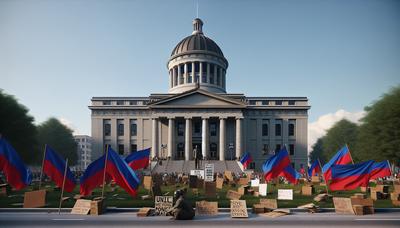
[290, 174]
[17, 174]
[342, 157]
[139, 159]
[246, 160]
[273, 166]
[349, 177]
[121, 173]
[314, 169]
[93, 176]
[54, 167]
[380, 169]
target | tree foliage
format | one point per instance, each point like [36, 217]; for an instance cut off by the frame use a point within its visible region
[379, 137]
[59, 137]
[17, 127]
[318, 151]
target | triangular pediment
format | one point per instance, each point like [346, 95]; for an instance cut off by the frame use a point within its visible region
[196, 99]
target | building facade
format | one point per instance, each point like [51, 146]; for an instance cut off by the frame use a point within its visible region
[84, 147]
[197, 112]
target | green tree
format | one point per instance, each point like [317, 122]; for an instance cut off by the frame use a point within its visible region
[379, 137]
[17, 127]
[318, 151]
[342, 133]
[59, 137]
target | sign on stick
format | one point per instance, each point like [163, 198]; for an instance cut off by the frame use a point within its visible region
[209, 172]
[262, 189]
[220, 182]
[255, 183]
[197, 172]
[285, 194]
[162, 204]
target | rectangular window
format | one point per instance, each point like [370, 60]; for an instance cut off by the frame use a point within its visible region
[106, 102]
[121, 149]
[107, 129]
[291, 149]
[133, 147]
[133, 129]
[291, 129]
[278, 129]
[197, 127]
[292, 102]
[265, 129]
[277, 148]
[265, 102]
[252, 102]
[180, 129]
[213, 129]
[120, 129]
[120, 102]
[132, 102]
[278, 102]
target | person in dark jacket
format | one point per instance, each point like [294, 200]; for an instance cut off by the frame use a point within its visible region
[182, 210]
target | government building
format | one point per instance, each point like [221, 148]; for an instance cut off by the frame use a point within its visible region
[198, 113]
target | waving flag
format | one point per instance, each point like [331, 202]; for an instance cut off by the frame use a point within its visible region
[273, 166]
[349, 177]
[54, 167]
[246, 160]
[290, 174]
[380, 169]
[342, 157]
[17, 174]
[121, 173]
[314, 169]
[93, 176]
[139, 159]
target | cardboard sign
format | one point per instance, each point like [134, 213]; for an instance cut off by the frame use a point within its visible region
[220, 183]
[307, 190]
[255, 183]
[147, 182]
[343, 206]
[315, 179]
[239, 209]
[285, 194]
[210, 189]
[206, 208]
[209, 172]
[243, 190]
[197, 172]
[228, 175]
[244, 180]
[81, 207]
[193, 181]
[397, 188]
[35, 199]
[269, 203]
[232, 195]
[262, 189]
[162, 204]
[97, 207]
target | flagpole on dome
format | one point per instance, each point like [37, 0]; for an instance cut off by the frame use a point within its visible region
[323, 176]
[63, 185]
[104, 173]
[41, 169]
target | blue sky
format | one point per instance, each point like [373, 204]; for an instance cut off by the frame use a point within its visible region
[56, 55]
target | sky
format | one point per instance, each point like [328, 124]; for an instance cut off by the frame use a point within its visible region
[56, 55]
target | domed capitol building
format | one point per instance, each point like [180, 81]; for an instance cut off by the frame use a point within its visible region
[198, 112]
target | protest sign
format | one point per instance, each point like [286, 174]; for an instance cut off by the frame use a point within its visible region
[197, 172]
[255, 183]
[269, 203]
[209, 172]
[343, 206]
[285, 194]
[228, 175]
[162, 204]
[147, 182]
[81, 207]
[35, 199]
[262, 188]
[239, 209]
[206, 208]
[220, 182]
[233, 195]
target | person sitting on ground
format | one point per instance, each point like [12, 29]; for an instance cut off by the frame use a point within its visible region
[182, 210]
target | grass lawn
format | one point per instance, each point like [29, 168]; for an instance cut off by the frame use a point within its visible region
[119, 198]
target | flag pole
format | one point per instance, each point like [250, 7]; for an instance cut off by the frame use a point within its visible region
[63, 184]
[104, 173]
[352, 161]
[41, 169]
[323, 176]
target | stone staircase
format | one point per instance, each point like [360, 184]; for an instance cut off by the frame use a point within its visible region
[181, 166]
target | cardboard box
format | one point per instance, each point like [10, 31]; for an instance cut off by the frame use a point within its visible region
[363, 202]
[395, 196]
[382, 188]
[97, 207]
[260, 208]
[35, 199]
[396, 203]
[343, 206]
[397, 188]
[360, 196]
[243, 190]
[315, 179]
[358, 209]
[307, 190]
[375, 195]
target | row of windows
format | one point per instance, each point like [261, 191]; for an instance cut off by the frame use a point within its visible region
[216, 75]
[121, 148]
[267, 102]
[141, 102]
[278, 129]
[120, 129]
[266, 149]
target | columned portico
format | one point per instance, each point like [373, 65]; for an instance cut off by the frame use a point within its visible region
[171, 135]
[238, 138]
[188, 138]
[204, 138]
[222, 135]
[154, 138]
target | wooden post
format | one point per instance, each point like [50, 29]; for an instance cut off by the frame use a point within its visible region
[41, 169]
[104, 174]
[323, 176]
[63, 184]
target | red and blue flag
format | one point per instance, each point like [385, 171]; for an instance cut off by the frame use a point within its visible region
[349, 177]
[290, 174]
[314, 169]
[246, 160]
[274, 165]
[93, 176]
[54, 167]
[380, 169]
[139, 159]
[15, 171]
[342, 157]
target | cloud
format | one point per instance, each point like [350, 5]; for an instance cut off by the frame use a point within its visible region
[318, 128]
[69, 124]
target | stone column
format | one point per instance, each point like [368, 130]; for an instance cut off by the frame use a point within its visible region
[201, 72]
[221, 77]
[188, 138]
[208, 72]
[171, 136]
[193, 74]
[238, 137]
[154, 138]
[204, 138]
[185, 74]
[222, 135]
[215, 75]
